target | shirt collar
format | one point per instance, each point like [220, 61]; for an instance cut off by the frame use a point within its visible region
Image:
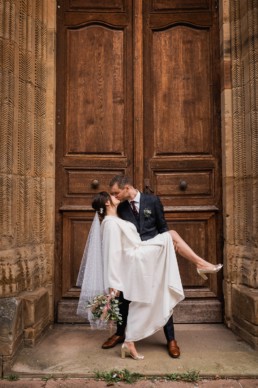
[137, 197]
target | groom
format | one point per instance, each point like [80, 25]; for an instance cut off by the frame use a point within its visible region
[146, 213]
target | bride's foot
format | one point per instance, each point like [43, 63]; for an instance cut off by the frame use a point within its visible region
[128, 349]
[205, 265]
[208, 268]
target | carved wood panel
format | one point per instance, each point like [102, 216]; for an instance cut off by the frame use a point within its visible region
[198, 228]
[95, 91]
[181, 91]
[96, 5]
[176, 5]
[76, 226]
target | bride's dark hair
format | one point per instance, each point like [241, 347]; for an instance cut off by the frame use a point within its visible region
[99, 203]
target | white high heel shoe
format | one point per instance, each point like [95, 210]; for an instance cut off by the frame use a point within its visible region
[125, 351]
[202, 272]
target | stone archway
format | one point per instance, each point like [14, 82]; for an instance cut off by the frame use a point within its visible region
[27, 38]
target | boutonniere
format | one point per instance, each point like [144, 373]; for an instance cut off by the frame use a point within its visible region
[147, 213]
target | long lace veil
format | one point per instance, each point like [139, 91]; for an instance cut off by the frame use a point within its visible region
[91, 273]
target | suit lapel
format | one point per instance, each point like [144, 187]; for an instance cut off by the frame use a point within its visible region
[128, 210]
[142, 207]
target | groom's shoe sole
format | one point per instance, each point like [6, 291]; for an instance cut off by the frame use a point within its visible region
[113, 341]
[173, 349]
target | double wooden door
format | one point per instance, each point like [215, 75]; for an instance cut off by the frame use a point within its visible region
[138, 93]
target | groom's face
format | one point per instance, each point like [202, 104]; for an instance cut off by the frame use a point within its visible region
[121, 194]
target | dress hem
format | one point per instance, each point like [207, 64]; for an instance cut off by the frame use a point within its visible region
[153, 331]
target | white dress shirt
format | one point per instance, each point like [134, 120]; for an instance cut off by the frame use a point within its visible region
[136, 201]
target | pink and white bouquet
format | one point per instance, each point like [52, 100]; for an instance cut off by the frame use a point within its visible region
[105, 310]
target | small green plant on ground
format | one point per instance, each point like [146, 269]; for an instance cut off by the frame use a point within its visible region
[12, 377]
[115, 376]
[190, 376]
[49, 377]
[128, 377]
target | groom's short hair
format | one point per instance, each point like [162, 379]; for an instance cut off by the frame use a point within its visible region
[121, 181]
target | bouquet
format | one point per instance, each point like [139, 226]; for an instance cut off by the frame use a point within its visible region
[104, 309]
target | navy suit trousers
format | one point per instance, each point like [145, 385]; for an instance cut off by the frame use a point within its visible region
[124, 306]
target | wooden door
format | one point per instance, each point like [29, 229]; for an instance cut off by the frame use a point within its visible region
[138, 94]
[182, 135]
[94, 124]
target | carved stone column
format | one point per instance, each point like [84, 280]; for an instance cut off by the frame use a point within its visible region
[27, 92]
[239, 30]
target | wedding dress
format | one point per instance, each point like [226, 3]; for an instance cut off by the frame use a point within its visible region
[145, 271]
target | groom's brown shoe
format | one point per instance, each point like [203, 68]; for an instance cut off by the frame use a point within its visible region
[113, 341]
[173, 349]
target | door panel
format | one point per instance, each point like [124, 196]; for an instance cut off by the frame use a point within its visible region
[203, 225]
[76, 226]
[187, 184]
[182, 132]
[95, 91]
[181, 98]
[138, 94]
[94, 124]
[95, 5]
[162, 5]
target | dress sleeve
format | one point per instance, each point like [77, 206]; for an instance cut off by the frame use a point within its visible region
[112, 255]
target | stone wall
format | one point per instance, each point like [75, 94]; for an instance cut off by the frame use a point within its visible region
[27, 92]
[239, 49]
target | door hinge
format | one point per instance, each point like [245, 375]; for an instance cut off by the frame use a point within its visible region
[147, 188]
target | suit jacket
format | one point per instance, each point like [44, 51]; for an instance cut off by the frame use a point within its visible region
[151, 216]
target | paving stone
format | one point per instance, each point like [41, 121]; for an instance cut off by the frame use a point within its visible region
[91, 383]
[249, 383]
[24, 383]
[75, 351]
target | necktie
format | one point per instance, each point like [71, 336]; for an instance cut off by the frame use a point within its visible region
[134, 209]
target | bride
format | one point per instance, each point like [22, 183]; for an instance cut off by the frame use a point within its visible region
[145, 271]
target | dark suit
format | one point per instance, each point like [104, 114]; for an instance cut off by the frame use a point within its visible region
[150, 222]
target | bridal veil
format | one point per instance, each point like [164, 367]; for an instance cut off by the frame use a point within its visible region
[91, 276]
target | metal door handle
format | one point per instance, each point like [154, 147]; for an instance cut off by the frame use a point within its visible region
[147, 188]
[183, 185]
[95, 184]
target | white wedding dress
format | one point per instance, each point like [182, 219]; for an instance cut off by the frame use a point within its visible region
[147, 273]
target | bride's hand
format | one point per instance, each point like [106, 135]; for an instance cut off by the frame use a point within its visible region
[115, 292]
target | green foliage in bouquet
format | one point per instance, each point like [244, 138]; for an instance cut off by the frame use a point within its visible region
[105, 308]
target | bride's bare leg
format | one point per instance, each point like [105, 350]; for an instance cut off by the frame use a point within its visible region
[185, 251]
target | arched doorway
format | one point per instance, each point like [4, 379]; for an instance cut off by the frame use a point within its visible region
[138, 93]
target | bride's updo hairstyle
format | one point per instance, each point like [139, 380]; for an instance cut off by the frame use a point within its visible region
[99, 203]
